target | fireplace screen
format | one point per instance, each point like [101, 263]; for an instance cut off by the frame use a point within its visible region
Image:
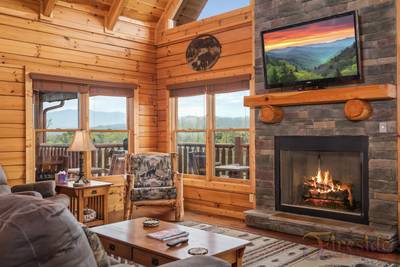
[323, 176]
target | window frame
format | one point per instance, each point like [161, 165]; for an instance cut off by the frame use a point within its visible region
[132, 110]
[177, 130]
[210, 130]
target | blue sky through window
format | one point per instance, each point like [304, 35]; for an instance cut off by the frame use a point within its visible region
[216, 7]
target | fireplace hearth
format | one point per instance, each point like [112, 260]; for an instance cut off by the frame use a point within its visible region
[322, 176]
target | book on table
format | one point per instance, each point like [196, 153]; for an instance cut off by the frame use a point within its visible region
[165, 235]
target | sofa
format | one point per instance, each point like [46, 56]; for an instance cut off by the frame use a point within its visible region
[40, 232]
[44, 189]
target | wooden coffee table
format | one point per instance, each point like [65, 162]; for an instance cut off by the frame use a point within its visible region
[128, 240]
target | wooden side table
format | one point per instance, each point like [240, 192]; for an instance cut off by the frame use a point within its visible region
[93, 196]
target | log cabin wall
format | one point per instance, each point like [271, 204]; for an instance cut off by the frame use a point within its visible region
[235, 32]
[73, 43]
[12, 123]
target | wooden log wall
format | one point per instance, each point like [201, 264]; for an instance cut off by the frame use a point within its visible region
[234, 31]
[12, 123]
[73, 43]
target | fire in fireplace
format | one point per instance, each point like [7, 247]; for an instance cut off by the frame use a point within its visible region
[323, 176]
[322, 190]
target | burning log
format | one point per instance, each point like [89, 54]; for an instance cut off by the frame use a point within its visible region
[322, 190]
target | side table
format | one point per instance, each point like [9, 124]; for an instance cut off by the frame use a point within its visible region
[93, 195]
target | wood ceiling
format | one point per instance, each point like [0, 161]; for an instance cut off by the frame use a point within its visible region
[143, 10]
[189, 11]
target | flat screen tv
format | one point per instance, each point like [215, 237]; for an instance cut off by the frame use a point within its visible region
[312, 54]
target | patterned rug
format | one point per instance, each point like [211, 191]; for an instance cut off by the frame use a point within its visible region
[270, 252]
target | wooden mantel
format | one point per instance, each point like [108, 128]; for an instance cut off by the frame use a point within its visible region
[357, 108]
[323, 96]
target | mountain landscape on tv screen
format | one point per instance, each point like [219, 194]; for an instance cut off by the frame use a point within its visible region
[312, 62]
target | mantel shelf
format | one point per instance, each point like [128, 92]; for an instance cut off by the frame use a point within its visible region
[323, 96]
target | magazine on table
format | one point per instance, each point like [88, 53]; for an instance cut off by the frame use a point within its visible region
[165, 235]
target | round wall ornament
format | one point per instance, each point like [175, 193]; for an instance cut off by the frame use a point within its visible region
[203, 52]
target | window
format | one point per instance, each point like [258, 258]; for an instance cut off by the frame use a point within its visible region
[62, 106]
[191, 134]
[211, 132]
[216, 7]
[192, 10]
[56, 118]
[231, 136]
[109, 133]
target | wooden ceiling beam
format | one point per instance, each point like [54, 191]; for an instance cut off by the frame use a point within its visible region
[113, 13]
[48, 7]
[170, 11]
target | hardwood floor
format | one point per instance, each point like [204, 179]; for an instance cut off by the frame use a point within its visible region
[240, 225]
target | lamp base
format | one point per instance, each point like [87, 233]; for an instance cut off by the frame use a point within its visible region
[81, 181]
[78, 184]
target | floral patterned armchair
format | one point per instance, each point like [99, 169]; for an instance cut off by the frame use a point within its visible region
[153, 181]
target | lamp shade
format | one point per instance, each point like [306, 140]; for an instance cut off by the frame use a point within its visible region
[81, 142]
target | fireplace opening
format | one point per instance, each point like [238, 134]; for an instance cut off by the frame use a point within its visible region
[323, 176]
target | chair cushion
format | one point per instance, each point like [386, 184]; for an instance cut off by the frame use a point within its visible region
[153, 193]
[151, 170]
[38, 232]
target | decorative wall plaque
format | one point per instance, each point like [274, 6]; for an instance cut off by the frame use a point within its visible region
[203, 52]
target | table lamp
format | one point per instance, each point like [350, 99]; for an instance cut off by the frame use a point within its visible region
[81, 143]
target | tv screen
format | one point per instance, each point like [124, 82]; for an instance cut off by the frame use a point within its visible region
[314, 53]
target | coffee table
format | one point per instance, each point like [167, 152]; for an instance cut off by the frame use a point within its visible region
[128, 240]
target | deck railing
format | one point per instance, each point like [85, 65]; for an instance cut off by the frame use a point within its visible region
[101, 158]
[225, 154]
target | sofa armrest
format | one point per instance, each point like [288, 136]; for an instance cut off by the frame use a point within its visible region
[45, 188]
[29, 193]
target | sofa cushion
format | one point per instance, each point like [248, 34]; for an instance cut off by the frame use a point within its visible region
[151, 170]
[46, 188]
[4, 188]
[153, 193]
[60, 199]
[38, 232]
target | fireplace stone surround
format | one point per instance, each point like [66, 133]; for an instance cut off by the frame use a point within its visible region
[378, 50]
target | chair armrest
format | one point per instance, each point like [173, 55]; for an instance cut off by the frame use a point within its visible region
[45, 188]
[29, 193]
[178, 175]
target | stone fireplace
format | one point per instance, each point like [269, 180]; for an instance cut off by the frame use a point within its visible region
[303, 182]
[322, 176]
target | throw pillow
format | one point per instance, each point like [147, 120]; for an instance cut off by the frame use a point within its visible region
[99, 252]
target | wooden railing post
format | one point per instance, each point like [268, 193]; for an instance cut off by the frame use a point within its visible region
[238, 151]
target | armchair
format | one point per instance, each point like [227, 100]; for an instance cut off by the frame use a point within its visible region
[152, 180]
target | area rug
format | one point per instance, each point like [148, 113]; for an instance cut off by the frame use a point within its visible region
[270, 252]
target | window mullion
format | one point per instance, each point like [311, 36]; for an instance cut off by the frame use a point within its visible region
[210, 122]
[84, 125]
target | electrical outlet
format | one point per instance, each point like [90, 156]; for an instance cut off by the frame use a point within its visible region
[251, 198]
[383, 127]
